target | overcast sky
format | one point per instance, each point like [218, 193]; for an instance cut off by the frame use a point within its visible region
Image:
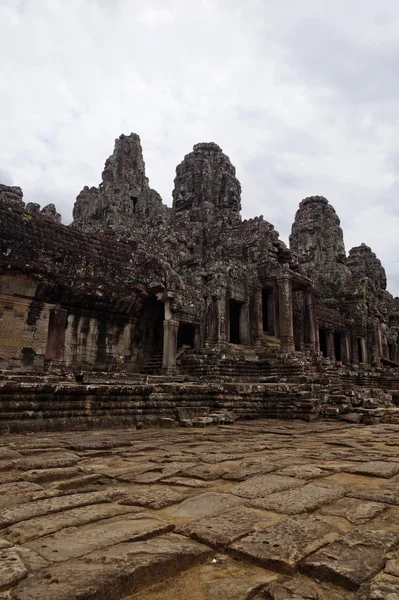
[303, 95]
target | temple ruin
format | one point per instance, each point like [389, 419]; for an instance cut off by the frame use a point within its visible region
[140, 313]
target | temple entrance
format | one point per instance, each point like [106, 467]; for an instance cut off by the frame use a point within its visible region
[150, 327]
[337, 346]
[186, 335]
[235, 309]
[323, 342]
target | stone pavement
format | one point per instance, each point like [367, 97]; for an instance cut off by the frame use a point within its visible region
[269, 510]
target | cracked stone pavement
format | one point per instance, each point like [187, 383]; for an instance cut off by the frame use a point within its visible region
[270, 510]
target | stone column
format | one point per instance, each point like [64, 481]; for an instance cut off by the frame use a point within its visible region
[170, 327]
[313, 342]
[258, 318]
[286, 314]
[330, 344]
[244, 324]
[222, 320]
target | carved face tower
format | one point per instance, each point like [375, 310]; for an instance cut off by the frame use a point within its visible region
[318, 240]
[206, 187]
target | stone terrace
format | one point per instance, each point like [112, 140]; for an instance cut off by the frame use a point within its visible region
[266, 510]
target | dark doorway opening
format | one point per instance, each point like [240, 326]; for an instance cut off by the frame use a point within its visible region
[134, 203]
[337, 346]
[323, 342]
[391, 352]
[185, 335]
[265, 310]
[234, 315]
[360, 350]
[149, 333]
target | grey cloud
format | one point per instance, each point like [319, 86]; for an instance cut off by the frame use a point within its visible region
[301, 95]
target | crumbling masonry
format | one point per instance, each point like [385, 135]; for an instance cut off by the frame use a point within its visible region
[138, 313]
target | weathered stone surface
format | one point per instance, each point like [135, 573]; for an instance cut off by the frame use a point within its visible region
[205, 504]
[19, 487]
[52, 505]
[262, 485]
[303, 472]
[50, 212]
[47, 460]
[355, 511]
[233, 589]
[376, 468]
[353, 559]
[155, 497]
[39, 527]
[220, 530]
[12, 569]
[71, 543]
[114, 572]
[283, 545]
[379, 589]
[299, 500]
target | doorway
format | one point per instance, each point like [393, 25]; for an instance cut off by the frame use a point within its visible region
[234, 321]
[323, 342]
[337, 346]
[186, 335]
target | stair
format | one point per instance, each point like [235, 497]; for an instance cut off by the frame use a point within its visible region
[153, 366]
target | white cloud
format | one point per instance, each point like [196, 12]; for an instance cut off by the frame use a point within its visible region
[302, 95]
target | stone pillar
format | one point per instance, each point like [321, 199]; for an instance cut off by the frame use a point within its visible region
[286, 314]
[222, 321]
[258, 318]
[170, 327]
[244, 324]
[330, 344]
[310, 312]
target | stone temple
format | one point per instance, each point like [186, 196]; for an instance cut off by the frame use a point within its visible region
[141, 314]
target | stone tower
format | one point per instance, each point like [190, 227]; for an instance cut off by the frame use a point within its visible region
[206, 188]
[124, 199]
[317, 239]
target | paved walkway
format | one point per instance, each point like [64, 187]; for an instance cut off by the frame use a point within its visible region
[266, 510]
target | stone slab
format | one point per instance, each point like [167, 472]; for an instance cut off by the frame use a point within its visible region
[282, 546]
[221, 530]
[38, 527]
[155, 497]
[47, 460]
[374, 468]
[353, 559]
[303, 472]
[233, 589]
[52, 505]
[299, 500]
[12, 568]
[379, 589]
[205, 504]
[355, 511]
[19, 487]
[73, 542]
[262, 485]
[115, 572]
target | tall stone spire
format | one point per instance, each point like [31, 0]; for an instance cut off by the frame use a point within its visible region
[124, 198]
[317, 239]
[206, 188]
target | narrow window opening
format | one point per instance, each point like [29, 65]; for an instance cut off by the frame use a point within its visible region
[134, 203]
